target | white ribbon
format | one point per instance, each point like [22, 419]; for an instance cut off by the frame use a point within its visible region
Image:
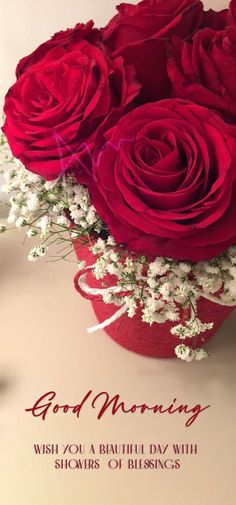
[214, 299]
[101, 291]
[123, 309]
[109, 321]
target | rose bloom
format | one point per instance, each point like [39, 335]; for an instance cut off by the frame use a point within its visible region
[205, 70]
[165, 182]
[67, 39]
[152, 19]
[64, 91]
[138, 33]
[219, 20]
[232, 13]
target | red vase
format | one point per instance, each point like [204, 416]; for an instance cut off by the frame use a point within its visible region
[154, 341]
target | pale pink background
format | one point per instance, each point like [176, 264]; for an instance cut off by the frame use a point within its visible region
[44, 346]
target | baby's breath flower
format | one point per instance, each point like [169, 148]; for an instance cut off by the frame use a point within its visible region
[185, 267]
[63, 221]
[180, 331]
[98, 247]
[6, 188]
[107, 297]
[50, 185]
[184, 352]
[151, 282]
[31, 232]
[114, 257]
[100, 269]
[44, 223]
[147, 316]
[21, 221]
[33, 202]
[172, 315]
[131, 304]
[111, 241]
[115, 269]
[91, 216]
[158, 267]
[37, 253]
[11, 218]
[200, 354]
[165, 290]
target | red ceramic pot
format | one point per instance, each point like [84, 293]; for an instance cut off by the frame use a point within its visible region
[154, 341]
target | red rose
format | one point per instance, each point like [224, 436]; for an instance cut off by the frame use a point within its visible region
[67, 39]
[232, 13]
[217, 20]
[205, 70]
[152, 19]
[165, 182]
[65, 90]
[138, 33]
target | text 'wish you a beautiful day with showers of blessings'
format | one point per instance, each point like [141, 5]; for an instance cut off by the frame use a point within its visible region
[131, 456]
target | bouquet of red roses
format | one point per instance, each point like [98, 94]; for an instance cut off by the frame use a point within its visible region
[126, 136]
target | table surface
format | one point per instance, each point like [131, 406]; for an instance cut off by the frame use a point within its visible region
[44, 347]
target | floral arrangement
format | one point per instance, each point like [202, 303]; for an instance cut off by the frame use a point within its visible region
[125, 137]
